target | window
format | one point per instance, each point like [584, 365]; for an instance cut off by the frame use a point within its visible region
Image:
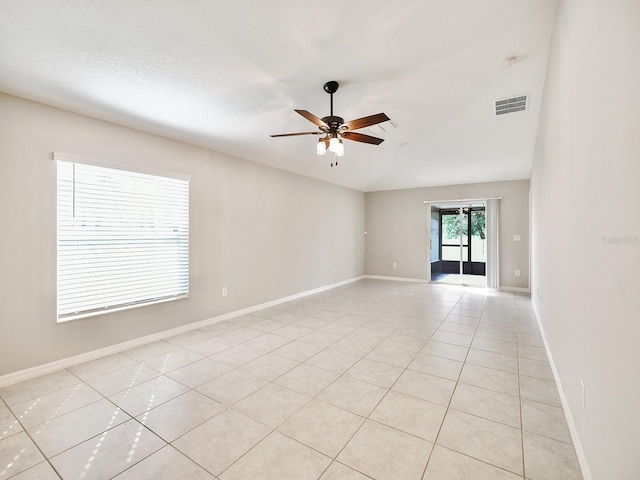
[123, 239]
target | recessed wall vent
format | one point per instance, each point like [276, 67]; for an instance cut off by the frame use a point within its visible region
[511, 104]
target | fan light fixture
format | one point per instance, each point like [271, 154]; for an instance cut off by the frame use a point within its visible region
[333, 145]
[321, 148]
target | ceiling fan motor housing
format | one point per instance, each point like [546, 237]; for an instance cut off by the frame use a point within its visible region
[333, 122]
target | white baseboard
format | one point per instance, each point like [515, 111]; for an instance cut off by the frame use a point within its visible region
[33, 372]
[396, 279]
[580, 453]
[515, 289]
[424, 280]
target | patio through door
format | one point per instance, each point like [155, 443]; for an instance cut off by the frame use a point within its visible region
[458, 246]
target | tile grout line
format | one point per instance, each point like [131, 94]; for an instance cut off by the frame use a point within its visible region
[46, 458]
[524, 472]
[435, 440]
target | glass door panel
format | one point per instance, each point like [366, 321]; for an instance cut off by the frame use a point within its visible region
[454, 245]
[478, 236]
[474, 266]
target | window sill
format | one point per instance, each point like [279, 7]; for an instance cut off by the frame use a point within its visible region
[95, 313]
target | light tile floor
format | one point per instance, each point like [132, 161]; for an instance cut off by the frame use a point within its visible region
[376, 379]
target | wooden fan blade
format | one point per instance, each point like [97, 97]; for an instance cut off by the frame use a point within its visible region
[361, 137]
[367, 121]
[311, 117]
[296, 134]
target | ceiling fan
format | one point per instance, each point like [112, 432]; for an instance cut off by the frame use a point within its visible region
[335, 128]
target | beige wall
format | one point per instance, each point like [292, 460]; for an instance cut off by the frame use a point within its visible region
[585, 192]
[262, 232]
[397, 223]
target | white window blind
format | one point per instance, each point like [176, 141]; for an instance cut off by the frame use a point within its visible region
[123, 239]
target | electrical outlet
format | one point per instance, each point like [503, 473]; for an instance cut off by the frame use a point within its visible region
[395, 265]
[517, 273]
[334, 269]
[224, 291]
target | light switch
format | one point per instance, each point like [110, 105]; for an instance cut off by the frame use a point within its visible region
[517, 238]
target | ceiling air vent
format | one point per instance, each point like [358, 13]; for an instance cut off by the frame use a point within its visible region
[511, 105]
[382, 128]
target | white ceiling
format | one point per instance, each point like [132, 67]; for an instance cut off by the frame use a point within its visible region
[227, 74]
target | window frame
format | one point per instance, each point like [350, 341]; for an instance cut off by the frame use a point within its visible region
[182, 275]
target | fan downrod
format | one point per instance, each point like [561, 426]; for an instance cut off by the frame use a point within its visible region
[331, 88]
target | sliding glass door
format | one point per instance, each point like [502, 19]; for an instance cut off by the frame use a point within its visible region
[458, 243]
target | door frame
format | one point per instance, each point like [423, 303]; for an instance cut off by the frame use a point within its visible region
[435, 203]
